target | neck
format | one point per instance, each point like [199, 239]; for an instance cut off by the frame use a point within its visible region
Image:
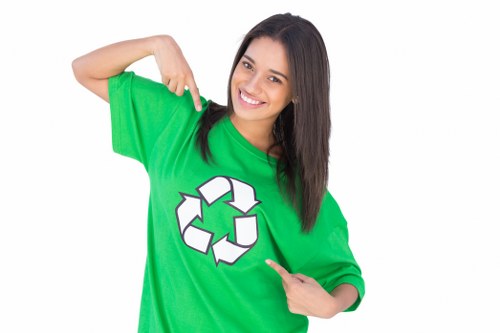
[258, 133]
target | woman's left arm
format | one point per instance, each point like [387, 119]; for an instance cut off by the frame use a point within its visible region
[307, 297]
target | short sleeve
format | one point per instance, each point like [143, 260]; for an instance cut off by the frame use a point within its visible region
[331, 261]
[140, 110]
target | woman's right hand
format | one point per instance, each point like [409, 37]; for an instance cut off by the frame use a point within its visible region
[174, 69]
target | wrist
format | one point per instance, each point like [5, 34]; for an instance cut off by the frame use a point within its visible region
[332, 308]
[155, 43]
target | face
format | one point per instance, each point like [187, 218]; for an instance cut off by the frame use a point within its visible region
[260, 85]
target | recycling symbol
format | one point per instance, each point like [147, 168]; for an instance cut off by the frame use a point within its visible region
[245, 226]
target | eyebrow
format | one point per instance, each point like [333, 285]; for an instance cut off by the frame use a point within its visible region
[271, 70]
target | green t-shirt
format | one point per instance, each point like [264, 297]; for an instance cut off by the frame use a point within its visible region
[211, 226]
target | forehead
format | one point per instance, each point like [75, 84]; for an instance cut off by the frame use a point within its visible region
[269, 54]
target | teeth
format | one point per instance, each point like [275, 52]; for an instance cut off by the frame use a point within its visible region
[249, 100]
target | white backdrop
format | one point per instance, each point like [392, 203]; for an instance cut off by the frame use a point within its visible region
[415, 157]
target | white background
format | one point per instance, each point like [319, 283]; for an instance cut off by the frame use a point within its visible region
[415, 157]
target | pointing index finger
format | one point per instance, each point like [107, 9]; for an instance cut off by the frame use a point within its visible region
[195, 94]
[279, 269]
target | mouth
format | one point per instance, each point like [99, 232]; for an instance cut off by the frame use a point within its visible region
[248, 100]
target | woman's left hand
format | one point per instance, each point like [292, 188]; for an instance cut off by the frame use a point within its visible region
[305, 295]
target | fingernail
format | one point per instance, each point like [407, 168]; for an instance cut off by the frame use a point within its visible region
[268, 261]
[198, 107]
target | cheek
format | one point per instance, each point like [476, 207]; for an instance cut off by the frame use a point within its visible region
[235, 80]
[282, 97]
[237, 77]
[233, 83]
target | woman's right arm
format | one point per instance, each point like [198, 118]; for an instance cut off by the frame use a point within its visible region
[93, 69]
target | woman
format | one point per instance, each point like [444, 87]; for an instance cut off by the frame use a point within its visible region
[235, 187]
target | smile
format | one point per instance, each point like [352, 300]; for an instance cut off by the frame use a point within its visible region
[249, 100]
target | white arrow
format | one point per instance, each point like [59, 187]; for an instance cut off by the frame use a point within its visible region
[227, 251]
[197, 239]
[187, 211]
[245, 230]
[214, 189]
[243, 196]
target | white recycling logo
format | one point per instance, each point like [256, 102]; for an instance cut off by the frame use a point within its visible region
[245, 226]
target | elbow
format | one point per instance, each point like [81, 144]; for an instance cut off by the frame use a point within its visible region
[77, 71]
[82, 72]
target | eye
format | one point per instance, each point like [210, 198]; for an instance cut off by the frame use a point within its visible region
[274, 79]
[247, 65]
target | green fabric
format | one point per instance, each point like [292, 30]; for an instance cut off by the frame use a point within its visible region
[211, 226]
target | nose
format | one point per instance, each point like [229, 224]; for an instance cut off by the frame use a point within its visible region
[253, 84]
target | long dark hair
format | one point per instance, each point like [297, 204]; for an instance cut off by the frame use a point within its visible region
[302, 130]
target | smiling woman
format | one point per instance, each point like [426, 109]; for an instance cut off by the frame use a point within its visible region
[260, 90]
[233, 187]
